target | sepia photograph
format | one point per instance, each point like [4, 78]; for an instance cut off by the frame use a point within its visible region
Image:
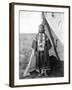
[39, 44]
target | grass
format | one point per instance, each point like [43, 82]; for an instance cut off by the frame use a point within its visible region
[25, 53]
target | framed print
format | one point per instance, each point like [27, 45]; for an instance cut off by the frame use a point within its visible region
[39, 44]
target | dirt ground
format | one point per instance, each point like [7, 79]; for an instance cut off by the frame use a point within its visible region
[57, 67]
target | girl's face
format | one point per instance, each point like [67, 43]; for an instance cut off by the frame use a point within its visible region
[41, 28]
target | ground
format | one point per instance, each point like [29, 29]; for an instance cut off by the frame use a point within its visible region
[57, 70]
[57, 67]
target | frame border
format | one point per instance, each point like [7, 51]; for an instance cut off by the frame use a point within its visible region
[11, 43]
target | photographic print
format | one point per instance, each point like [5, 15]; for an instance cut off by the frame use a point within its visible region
[40, 44]
[33, 57]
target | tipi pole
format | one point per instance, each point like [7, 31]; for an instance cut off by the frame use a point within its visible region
[28, 66]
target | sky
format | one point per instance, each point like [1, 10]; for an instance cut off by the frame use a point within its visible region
[29, 21]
